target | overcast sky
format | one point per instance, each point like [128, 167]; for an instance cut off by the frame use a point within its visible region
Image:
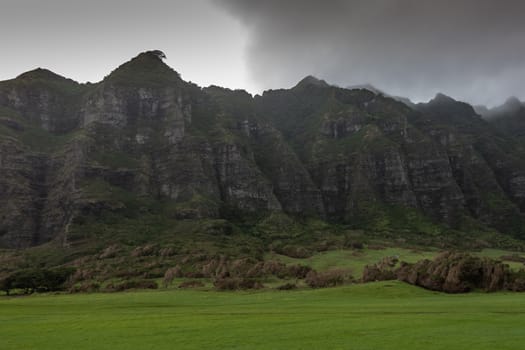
[86, 39]
[470, 49]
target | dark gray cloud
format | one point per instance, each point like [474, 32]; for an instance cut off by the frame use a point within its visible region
[470, 49]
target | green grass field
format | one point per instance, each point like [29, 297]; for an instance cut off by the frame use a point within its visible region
[355, 260]
[386, 315]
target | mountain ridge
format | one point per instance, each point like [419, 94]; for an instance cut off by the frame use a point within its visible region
[143, 141]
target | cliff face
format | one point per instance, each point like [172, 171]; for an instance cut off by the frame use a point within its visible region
[144, 135]
[363, 151]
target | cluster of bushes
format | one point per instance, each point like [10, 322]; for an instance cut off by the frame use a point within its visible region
[246, 273]
[245, 268]
[514, 258]
[110, 252]
[86, 287]
[230, 283]
[90, 287]
[287, 286]
[381, 271]
[306, 250]
[37, 280]
[450, 273]
[329, 278]
[191, 284]
[518, 281]
[147, 250]
[294, 251]
[131, 284]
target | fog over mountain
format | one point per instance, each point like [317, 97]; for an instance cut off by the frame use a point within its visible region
[471, 50]
[468, 49]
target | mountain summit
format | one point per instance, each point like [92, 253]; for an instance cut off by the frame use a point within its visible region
[40, 74]
[310, 80]
[145, 145]
[146, 68]
[512, 106]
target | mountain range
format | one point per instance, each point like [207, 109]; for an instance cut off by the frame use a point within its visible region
[143, 142]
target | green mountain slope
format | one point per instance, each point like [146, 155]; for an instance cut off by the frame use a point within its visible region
[84, 165]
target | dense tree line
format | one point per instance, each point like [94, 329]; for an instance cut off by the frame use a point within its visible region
[36, 280]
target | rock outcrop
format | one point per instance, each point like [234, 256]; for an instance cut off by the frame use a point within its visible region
[70, 150]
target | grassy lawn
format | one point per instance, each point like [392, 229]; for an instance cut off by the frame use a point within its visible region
[386, 315]
[498, 254]
[356, 260]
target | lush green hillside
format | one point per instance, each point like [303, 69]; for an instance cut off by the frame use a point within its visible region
[127, 178]
[143, 141]
[375, 316]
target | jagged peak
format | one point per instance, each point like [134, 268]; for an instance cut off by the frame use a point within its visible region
[511, 106]
[442, 98]
[513, 102]
[447, 108]
[405, 100]
[145, 59]
[157, 53]
[146, 67]
[40, 74]
[368, 87]
[481, 110]
[219, 89]
[153, 54]
[310, 80]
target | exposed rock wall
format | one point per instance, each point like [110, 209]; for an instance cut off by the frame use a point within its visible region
[68, 149]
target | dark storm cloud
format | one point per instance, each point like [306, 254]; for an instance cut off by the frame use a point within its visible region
[471, 49]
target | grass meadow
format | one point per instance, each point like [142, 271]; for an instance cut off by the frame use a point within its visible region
[383, 315]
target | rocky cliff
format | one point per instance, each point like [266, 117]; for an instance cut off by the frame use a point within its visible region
[143, 140]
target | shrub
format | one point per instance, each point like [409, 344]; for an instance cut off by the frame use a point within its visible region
[109, 252]
[170, 274]
[226, 283]
[516, 281]
[147, 250]
[299, 271]
[453, 272]
[514, 258]
[167, 251]
[229, 283]
[294, 252]
[330, 278]
[83, 274]
[287, 286]
[372, 273]
[88, 287]
[5, 284]
[248, 283]
[194, 274]
[133, 284]
[191, 284]
[354, 244]
[40, 280]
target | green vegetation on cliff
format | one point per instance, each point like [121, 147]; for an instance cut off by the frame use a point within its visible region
[144, 157]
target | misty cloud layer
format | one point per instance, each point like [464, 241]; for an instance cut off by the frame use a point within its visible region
[470, 49]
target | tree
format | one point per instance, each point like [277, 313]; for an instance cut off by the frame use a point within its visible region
[31, 280]
[5, 284]
[158, 53]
